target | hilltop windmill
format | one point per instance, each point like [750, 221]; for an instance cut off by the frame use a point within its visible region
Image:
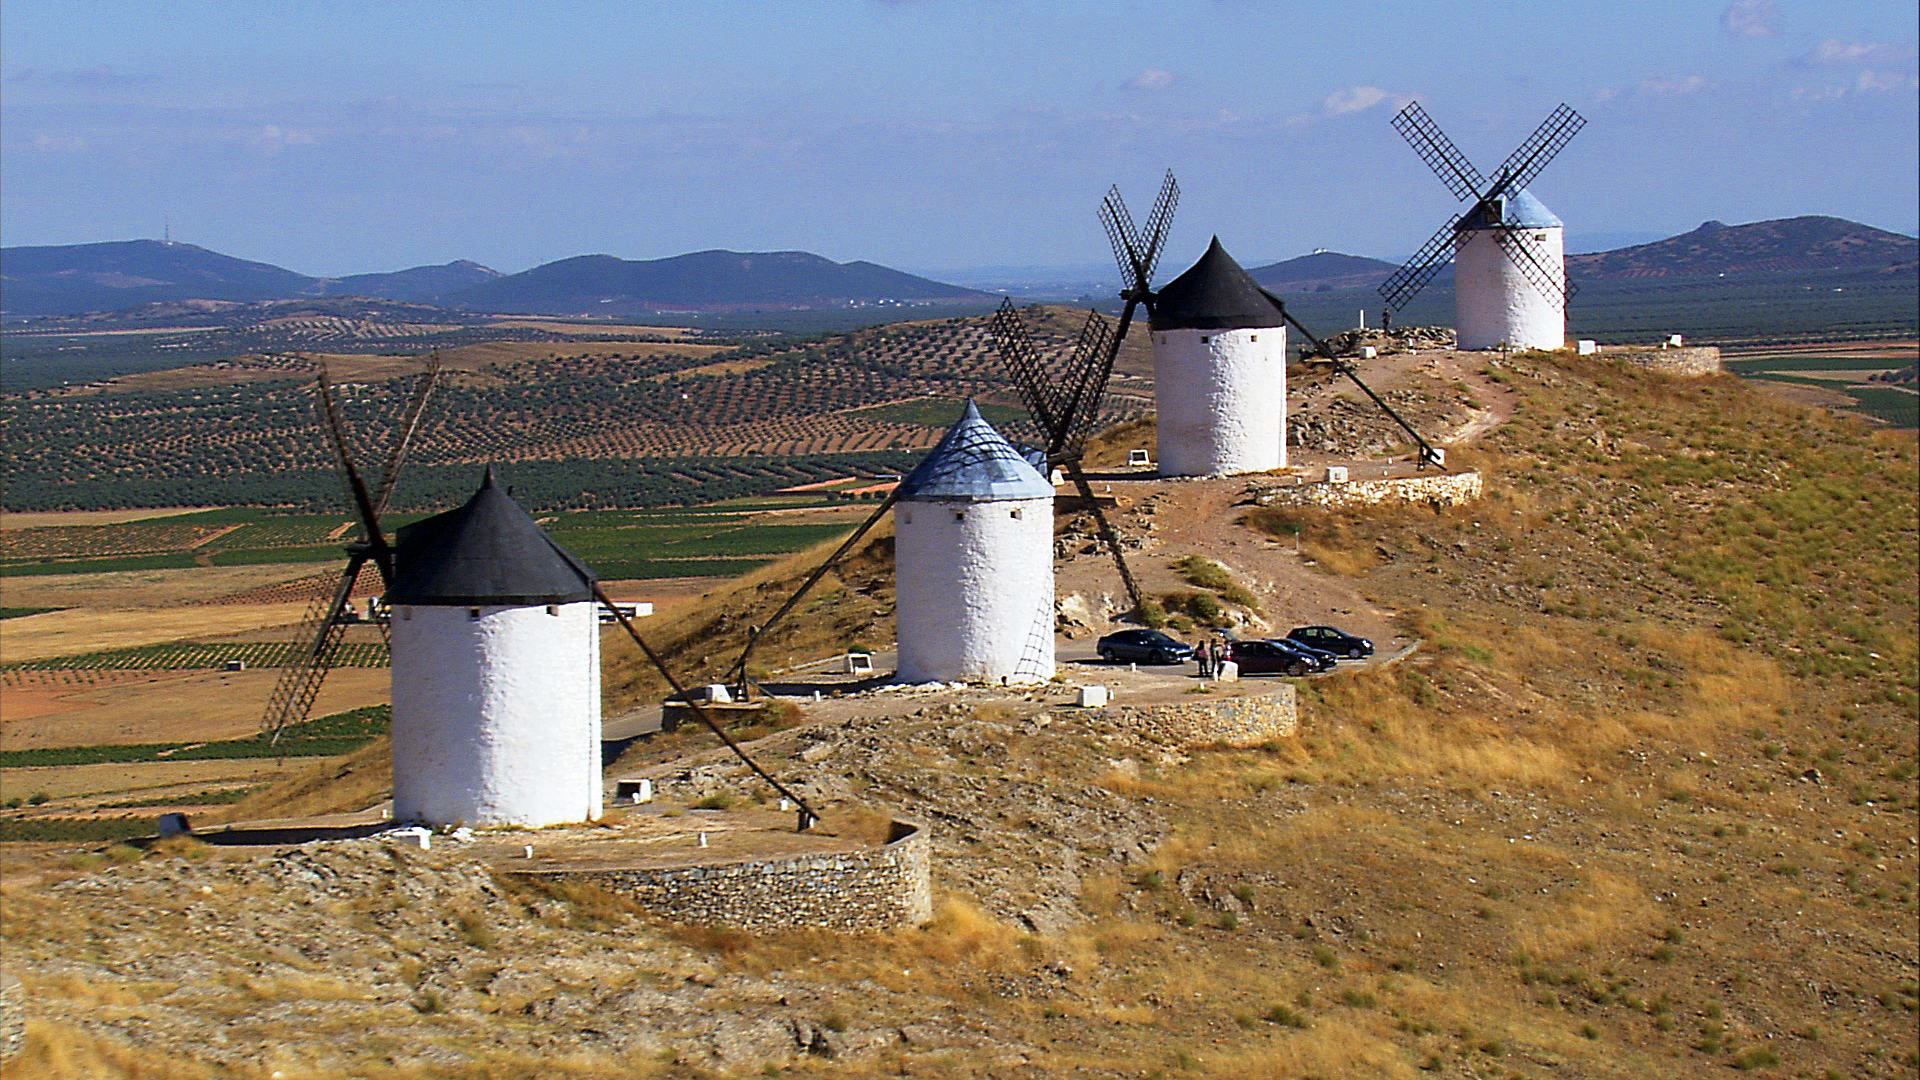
[1063, 395]
[1509, 251]
[325, 624]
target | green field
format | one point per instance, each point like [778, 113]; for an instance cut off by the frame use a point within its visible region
[192, 656]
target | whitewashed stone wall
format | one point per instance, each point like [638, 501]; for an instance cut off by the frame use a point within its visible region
[1220, 398]
[496, 715]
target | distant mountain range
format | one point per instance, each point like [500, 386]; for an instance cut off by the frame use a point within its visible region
[82, 278]
[1788, 244]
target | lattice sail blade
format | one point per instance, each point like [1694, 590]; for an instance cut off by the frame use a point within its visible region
[319, 637]
[1088, 371]
[1158, 222]
[1124, 237]
[403, 433]
[1542, 274]
[1042, 395]
[1406, 282]
[1541, 147]
[1438, 151]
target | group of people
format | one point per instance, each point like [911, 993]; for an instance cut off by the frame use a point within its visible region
[1210, 654]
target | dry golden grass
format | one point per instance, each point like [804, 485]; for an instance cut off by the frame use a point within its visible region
[123, 589]
[86, 630]
[314, 787]
[53, 518]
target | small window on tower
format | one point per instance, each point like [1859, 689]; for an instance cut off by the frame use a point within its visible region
[553, 609]
[1014, 513]
[1253, 337]
[959, 515]
[1204, 339]
[473, 613]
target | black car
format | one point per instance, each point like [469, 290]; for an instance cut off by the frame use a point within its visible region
[1269, 658]
[1333, 640]
[1319, 658]
[1145, 647]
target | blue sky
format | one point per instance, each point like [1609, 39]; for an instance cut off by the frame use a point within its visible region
[335, 137]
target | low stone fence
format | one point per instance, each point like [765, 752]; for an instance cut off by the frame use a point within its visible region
[1235, 721]
[1445, 489]
[13, 1015]
[870, 889]
[1684, 360]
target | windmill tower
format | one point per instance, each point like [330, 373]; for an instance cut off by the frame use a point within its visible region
[1219, 371]
[973, 559]
[1508, 249]
[496, 671]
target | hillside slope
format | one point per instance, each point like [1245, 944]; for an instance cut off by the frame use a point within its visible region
[1801, 243]
[1642, 804]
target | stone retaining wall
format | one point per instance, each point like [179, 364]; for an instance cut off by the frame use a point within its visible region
[1237, 721]
[1686, 360]
[1448, 489]
[871, 889]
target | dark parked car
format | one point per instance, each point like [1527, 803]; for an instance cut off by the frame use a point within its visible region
[1269, 658]
[1145, 647]
[1332, 639]
[1320, 659]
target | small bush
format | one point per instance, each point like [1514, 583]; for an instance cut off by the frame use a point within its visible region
[1755, 1057]
[1286, 1017]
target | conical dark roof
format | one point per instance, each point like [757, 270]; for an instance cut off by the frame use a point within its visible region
[488, 551]
[974, 462]
[1214, 294]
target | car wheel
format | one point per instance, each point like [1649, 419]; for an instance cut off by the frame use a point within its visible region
[1109, 656]
[1163, 658]
[1298, 668]
[1355, 653]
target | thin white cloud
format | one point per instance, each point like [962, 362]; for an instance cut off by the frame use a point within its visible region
[1343, 102]
[1833, 51]
[1749, 18]
[1352, 99]
[1152, 78]
[1673, 85]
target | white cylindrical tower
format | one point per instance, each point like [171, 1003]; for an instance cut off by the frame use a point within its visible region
[973, 559]
[496, 672]
[1510, 276]
[1219, 372]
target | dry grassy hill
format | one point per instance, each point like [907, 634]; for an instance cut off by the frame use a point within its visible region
[1642, 804]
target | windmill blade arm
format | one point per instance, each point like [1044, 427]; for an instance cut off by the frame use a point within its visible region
[1407, 281]
[1438, 151]
[1541, 147]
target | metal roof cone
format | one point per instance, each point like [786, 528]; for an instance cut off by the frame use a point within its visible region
[1214, 294]
[974, 462]
[489, 551]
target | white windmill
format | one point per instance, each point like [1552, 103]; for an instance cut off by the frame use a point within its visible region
[1508, 250]
[1219, 371]
[973, 559]
[496, 671]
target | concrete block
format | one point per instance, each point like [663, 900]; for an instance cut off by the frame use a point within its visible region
[1336, 474]
[1093, 697]
[1587, 347]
